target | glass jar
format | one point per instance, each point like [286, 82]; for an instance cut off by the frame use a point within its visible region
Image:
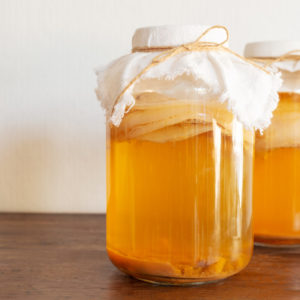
[179, 159]
[276, 192]
[179, 192]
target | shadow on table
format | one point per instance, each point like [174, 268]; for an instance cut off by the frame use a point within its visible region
[271, 274]
[124, 287]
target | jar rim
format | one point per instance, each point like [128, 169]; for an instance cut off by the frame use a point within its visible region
[271, 49]
[174, 35]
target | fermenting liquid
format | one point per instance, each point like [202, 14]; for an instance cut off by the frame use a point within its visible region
[276, 193]
[179, 187]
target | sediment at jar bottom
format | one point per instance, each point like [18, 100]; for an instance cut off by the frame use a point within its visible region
[168, 272]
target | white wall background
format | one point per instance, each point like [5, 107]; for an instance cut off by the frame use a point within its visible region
[52, 133]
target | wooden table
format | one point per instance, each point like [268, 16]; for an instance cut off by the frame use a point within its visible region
[63, 257]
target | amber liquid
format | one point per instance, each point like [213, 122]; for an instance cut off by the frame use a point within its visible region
[276, 194]
[179, 211]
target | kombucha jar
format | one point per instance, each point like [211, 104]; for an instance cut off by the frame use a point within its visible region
[276, 190]
[180, 155]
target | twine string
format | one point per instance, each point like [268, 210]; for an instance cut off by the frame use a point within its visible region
[268, 61]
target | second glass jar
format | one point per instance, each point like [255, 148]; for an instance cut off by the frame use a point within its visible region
[276, 193]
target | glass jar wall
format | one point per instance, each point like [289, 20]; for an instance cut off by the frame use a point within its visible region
[276, 191]
[179, 185]
[276, 194]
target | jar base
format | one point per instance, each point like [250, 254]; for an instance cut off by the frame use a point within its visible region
[276, 242]
[175, 281]
[163, 273]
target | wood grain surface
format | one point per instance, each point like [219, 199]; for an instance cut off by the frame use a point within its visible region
[63, 257]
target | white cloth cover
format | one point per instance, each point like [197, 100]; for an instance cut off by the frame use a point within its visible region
[250, 93]
[288, 65]
[290, 70]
